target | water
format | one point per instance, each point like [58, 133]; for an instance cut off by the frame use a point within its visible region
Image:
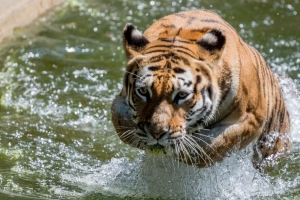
[59, 77]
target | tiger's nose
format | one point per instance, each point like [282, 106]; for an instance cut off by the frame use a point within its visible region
[158, 133]
[155, 130]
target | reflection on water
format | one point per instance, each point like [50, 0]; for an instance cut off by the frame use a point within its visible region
[59, 76]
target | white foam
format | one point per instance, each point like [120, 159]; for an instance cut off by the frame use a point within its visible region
[292, 98]
[153, 177]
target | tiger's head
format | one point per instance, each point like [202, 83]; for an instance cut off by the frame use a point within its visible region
[171, 88]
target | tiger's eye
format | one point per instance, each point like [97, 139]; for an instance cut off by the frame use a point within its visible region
[143, 90]
[182, 94]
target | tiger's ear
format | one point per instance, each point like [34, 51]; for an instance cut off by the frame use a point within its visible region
[212, 42]
[133, 40]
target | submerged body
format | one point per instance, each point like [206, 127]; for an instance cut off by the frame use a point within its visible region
[193, 87]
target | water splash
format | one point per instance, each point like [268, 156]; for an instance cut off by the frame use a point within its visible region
[292, 98]
[153, 177]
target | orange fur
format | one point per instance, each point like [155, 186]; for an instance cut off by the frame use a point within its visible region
[195, 87]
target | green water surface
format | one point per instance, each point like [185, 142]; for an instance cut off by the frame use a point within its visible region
[58, 78]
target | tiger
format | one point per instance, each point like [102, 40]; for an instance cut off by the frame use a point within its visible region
[194, 89]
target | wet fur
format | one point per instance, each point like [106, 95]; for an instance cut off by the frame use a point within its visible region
[235, 97]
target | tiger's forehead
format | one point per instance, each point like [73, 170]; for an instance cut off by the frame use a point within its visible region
[170, 63]
[165, 78]
[164, 68]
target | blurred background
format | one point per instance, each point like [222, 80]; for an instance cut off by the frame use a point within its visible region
[58, 78]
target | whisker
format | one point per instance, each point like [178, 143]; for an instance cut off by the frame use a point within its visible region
[182, 147]
[138, 64]
[135, 143]
[123, 127]
[200, 149]
[197, 133]
[126, 134]
[114, 135]
[207, 144]
[173, 160]
[176, 151]
[187, 152]
[133, 74]
[131, 140]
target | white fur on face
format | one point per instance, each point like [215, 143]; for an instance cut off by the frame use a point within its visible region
[180, 84]
[145, 79]
[135, 34]
[210, 38]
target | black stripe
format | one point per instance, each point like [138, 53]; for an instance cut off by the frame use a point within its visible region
[282, 116]
[177, 40]
[179, 70]
[154, 68]
[188, 83]
[257, 66]
[185, 61]
[225, 83]
[210, 21]
[200, 110]
[165, 40]
[172, 46]
[203, 30]
[185, 41]
[190, 20]
[175, 56]
[130, 96]
[210, 92]
[144, 77]
[198, 80]
[278, 111]
[193, 105]
[127, 79]
[168, 46]
[156, 51]
[155, 59]
[180, 15]
[203, 104]
[203, 96]
[135, 75]
[206, 112]
[168, 65]
[175, 61]
[260, 68]
[186, 53]
[167, 55]
[168, 25]
[183, 47]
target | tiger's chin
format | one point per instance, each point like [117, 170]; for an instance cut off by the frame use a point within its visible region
[157, 150]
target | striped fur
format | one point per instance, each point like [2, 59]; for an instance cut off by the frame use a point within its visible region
[194, 88]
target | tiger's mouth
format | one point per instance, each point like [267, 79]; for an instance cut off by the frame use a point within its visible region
[157, 149]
